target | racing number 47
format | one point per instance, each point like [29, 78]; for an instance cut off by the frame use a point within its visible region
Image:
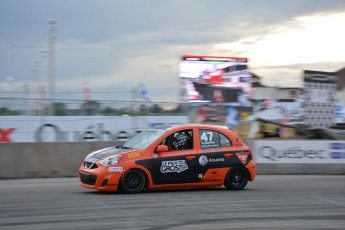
[206, 136]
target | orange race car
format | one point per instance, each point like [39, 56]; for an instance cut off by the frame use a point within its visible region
[171, 156]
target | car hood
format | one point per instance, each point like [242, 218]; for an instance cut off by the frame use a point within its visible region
[106, 152]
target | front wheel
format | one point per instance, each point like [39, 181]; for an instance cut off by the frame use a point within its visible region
[133, 181]
[237, 178]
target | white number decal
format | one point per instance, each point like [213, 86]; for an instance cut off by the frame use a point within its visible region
[207, 136]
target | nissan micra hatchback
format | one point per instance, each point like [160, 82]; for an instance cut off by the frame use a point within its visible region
[171, 156]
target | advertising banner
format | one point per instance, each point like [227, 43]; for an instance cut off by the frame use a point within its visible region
[299, 151]
[78, 128]
[319, 98]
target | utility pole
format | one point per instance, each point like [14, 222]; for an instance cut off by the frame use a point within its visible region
[133, 108]
[51, 65]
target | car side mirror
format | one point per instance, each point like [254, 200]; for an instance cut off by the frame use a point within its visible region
[162, 148]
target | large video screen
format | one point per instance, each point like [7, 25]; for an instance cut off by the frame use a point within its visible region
[213, 79]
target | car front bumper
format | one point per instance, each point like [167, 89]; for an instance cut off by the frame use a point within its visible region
[99, 178]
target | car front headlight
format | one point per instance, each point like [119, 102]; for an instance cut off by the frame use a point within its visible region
[109, 161]
[89, 155]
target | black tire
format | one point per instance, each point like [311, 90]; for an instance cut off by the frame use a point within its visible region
[133, 181]
[237, 178]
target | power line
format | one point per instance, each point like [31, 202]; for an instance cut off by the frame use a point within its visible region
[82, 100]
[65, 92]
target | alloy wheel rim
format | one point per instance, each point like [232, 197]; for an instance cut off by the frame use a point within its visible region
[132, 181]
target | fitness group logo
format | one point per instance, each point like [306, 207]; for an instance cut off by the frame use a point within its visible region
[174, 166]
[203, 160]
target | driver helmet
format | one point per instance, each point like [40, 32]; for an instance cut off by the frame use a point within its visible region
[181, 141]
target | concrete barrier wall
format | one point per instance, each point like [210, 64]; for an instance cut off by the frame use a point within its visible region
[45, 159]
[294, 169]
[301, 164]
[62, 159]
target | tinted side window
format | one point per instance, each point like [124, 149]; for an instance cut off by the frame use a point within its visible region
[211, 139]
[224, 141]
[181, 140]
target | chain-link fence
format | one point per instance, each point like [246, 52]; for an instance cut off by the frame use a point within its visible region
[22, 105]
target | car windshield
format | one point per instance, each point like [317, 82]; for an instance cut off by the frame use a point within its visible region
[144, 139]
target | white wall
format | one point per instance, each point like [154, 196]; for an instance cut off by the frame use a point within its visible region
[78, 128]
[272, 92]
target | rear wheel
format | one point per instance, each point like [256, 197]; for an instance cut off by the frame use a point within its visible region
[237, 178]
[133, 181]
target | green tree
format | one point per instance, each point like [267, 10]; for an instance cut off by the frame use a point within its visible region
[7, 112]
[108, 111]
[60, 109]
[91, 107]
[155, 109]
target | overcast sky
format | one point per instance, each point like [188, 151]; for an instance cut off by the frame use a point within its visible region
[114, 45]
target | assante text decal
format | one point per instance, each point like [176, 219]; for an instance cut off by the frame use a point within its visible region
[174, 166]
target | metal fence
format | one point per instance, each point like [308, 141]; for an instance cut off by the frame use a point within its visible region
[24, 105]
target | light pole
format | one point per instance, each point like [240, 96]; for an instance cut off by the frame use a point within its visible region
[51, 65]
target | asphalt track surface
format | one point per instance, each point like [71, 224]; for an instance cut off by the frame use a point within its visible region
[271, 202]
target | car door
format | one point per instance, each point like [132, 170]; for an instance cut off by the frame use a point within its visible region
[216, 151]
[175, 166]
